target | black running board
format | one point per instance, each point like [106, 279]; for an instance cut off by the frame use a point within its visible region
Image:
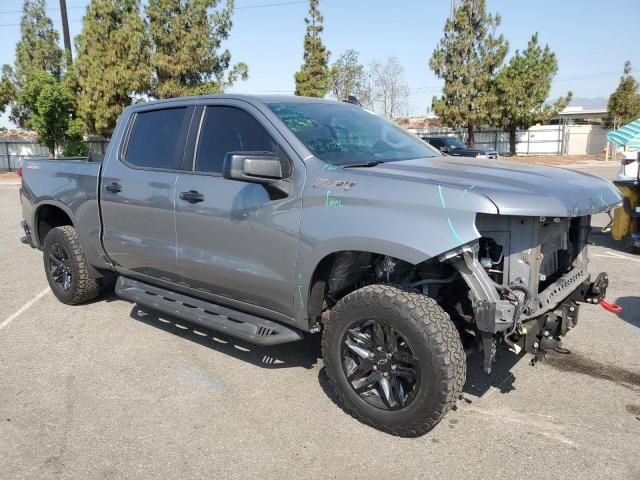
[209, 315]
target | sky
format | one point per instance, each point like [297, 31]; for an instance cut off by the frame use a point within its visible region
[592, 39]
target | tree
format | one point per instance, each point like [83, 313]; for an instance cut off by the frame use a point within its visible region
[7, 88]
[36, 51]
[522, 88]
[348, 78]
[467, 58]
[52, 111]
[624, 103]
[312, 80]
[185, 40]
[112, 62]
[390, 92]
[38, 47]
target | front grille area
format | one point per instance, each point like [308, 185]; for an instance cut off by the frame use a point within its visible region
[547, 255]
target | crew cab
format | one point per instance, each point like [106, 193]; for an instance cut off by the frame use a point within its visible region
[269, 218]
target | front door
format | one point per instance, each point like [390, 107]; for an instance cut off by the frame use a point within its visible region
[237, 239]
[138, 193]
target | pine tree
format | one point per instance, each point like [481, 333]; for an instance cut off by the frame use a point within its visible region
[7, 88]
[38, 48]
[112, 62]
[36, 51]
[522, 88]
[467, 58]
[312, 80]
[185, 39]
[624, 103]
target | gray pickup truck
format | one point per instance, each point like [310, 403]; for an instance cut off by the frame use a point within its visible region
[267, 218]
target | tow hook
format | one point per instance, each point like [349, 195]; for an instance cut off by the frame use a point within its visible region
[612, 307]
[598, 289]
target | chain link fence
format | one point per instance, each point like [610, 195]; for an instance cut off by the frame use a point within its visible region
[537, 140]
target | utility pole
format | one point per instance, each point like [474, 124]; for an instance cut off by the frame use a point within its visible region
[65, 27]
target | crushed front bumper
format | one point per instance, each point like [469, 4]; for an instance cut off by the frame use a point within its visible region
[543, 332]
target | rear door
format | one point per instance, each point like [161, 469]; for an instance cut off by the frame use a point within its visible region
[235, 239]
[138, 192]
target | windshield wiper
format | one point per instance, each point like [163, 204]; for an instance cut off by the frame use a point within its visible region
[370, 163]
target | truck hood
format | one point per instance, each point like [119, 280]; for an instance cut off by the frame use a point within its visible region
[515, 188]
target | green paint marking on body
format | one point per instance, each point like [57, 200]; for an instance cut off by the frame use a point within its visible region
[468, 189]
[441, 196]
[604, 204]
[453, 231]
[332, 202]
[299, 288]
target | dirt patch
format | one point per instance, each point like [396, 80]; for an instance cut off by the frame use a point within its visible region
[7, 175]
[633, 409]
[556, 159]
[574, 362]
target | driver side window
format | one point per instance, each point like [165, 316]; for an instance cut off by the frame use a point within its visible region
[229, 129]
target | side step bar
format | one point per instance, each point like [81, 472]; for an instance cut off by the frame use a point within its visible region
[209, 315]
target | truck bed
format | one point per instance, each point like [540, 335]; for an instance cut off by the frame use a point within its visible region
[70, 184]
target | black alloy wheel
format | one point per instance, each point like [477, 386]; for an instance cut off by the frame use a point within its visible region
[380, 365]
[60, 267]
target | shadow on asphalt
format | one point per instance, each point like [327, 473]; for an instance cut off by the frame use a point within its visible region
[630, 310]
[307, 352]
[606, 240]
[304, 353]
[478, 383]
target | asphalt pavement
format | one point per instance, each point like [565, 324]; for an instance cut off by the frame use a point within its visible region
[107, 390]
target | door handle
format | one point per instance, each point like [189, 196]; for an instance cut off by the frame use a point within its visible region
[192, 196]
[113, 187]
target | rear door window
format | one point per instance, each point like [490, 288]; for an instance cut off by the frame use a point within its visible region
[229, 129]
[157, 138]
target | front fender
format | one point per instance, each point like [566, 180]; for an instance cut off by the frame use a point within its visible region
[413, 224]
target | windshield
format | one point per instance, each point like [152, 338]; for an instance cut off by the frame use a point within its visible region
[455, 143]
[342, 134]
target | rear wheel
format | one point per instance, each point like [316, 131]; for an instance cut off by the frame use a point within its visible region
[394, 359]
[66, 267]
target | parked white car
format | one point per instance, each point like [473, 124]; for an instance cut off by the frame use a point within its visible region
[629, 166]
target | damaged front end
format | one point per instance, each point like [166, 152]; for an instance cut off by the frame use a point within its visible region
[526, 277]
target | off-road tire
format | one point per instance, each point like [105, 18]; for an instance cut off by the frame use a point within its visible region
[433, 338]
[83, 288]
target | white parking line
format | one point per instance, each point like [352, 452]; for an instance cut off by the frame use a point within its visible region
[23, 308]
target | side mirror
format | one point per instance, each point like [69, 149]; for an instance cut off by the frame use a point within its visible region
[253, 167]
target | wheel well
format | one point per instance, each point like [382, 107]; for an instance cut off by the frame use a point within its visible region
[48, 217]
[340, 273]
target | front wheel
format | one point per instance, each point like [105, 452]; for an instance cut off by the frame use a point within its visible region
[66, 267]
[394, 359]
